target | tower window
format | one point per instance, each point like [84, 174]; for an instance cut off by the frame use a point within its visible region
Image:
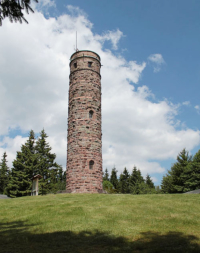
[89, 64]
[75, 65]
[91, 114]
[91, 164]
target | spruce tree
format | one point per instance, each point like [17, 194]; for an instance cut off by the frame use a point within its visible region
[192, 174]
[24, 167]
[149, 182]
[167, 184]
[124, 182]
[47, 167]
[114, 180]
[179, 170]
[13, 10]
[106, 175]
[177, 178]
[137, 183]
[4, 174]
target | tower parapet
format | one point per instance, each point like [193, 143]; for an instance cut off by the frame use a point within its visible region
[84, 149]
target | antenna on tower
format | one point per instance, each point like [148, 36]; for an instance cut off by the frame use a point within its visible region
[76, 42]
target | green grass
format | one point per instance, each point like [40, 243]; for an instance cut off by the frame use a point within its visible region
[100, 223]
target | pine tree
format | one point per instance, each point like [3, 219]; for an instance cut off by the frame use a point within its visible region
[114, 180]
[137, 182]
[149, 182]
[179, 170]
[124, 182]
[4, 174]
[13, 10]
[167, 184]
[47, 167]
[176, 180]
[106, 175]
[192, 174]
[24, 167]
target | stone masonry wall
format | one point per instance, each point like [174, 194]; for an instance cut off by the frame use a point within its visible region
[84, 124]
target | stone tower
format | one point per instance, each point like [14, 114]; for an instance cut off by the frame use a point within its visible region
[84, 149]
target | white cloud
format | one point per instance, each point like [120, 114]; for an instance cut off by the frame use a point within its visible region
[197, 108]
[157, 60]
[76, 11]
[186, 103]
[43, 4]
[112, 36]
[34, 71]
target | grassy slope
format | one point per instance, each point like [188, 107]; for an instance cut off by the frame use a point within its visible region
[100, 223]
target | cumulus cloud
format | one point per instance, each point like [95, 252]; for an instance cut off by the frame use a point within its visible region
[157, 60]
[34, 82]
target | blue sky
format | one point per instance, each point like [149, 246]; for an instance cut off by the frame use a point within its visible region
[150, 78]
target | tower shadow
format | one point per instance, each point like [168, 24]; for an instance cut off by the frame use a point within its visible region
[19, 237]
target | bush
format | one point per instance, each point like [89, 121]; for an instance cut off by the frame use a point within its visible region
[108, 187]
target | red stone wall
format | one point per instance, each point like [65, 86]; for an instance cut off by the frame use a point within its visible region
[84, 133]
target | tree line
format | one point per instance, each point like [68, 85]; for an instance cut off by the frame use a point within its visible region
[183, 176]
[34, 158]
[126, 183]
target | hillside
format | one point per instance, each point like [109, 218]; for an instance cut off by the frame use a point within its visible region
[100, 223]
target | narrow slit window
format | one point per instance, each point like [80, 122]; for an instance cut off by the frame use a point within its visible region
[75, 65]
[91, 114]
[89, 64]
[91, 164]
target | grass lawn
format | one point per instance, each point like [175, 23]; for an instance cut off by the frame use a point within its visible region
[100, 223]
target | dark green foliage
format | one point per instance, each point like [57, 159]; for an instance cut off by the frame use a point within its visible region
[24, 166]
[124, 182]
[167, 184]
[149, 182]
[106, 175]
[193, 173]
[13, 9]
[137, 182]
[35, 158]
[47, 167]
[4, 174]
[184, 175]
[114, 180]
[133, 184]
[179, 171]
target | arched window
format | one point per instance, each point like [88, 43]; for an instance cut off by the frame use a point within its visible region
[75, 65]
[91, 164]
[91, 114]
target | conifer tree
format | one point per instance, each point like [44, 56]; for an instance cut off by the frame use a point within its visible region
[124, 182]
[114, 180]
[149, 182]
[24, 167]
[137, 183]
[106, 175]
[192, 174]
[13, 10]
[179, 169]
[47, 167]
[4, 174]
[176, 179]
